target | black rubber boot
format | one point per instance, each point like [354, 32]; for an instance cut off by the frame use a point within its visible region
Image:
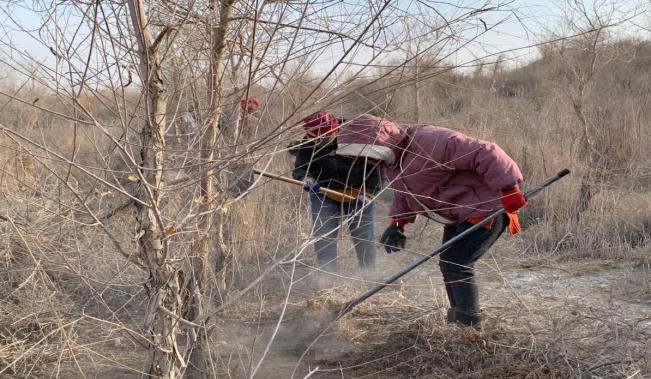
[464, 303]
[473, 319]
[452, 316]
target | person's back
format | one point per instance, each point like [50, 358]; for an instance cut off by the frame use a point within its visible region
[450, 178]
[317, 159]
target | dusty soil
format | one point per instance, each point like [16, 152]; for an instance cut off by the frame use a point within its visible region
[588, 318]
[547, 318]
[569, 293]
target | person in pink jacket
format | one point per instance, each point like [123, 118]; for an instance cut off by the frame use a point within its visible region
[450, 178]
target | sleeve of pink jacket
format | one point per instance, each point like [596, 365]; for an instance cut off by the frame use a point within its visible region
[400, 210]
[485, 158]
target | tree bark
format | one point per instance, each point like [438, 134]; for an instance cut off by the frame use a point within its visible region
[587, 146]
[199, 355]
[161, 319]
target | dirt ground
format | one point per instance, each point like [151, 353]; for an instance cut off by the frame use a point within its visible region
[592, 312]
[546, 318]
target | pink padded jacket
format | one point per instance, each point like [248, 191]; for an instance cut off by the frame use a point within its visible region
[432, 168]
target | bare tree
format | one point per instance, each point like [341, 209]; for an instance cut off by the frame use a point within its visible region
[97, 134]
[165, 302]
[582, 58]
[198, 281]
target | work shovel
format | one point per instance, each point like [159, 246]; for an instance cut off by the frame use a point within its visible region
[241, 178]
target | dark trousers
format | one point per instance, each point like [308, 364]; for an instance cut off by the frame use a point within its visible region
[457, 263]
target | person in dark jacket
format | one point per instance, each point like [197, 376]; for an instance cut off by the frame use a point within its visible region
[318, 166]
[450, 178]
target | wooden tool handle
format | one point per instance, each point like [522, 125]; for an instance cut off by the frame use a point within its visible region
[299, 183]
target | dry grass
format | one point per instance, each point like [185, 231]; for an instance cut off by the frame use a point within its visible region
[55, 271]
[550, 342]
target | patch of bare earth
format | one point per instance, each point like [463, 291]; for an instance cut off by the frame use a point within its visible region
[586, 319]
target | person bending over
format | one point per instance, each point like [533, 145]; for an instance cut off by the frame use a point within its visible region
[450, 178]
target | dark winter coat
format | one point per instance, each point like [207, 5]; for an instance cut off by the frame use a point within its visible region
[316, 158]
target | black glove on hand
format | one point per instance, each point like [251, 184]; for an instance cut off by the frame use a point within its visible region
[393, 238]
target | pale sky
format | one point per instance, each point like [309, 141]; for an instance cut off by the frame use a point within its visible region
[509, 30]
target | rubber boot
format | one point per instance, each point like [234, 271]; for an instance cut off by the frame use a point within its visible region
[452, 316]
[473, 320]
[452, 309]
[464, 301]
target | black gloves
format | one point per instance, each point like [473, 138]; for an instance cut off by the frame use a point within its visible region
[393, 238]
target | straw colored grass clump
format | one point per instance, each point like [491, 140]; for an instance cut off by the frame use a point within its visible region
[393, 336]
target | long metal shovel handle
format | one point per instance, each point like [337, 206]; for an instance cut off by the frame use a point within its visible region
[529, 194]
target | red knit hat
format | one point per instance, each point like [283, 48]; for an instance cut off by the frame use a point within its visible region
[250, 105]
[320, 123]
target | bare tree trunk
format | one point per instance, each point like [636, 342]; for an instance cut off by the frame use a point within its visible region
[164, 299]
[587, 146]
[200, 304]
[586, 191]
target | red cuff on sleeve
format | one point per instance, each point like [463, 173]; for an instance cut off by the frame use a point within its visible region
[398, 221]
